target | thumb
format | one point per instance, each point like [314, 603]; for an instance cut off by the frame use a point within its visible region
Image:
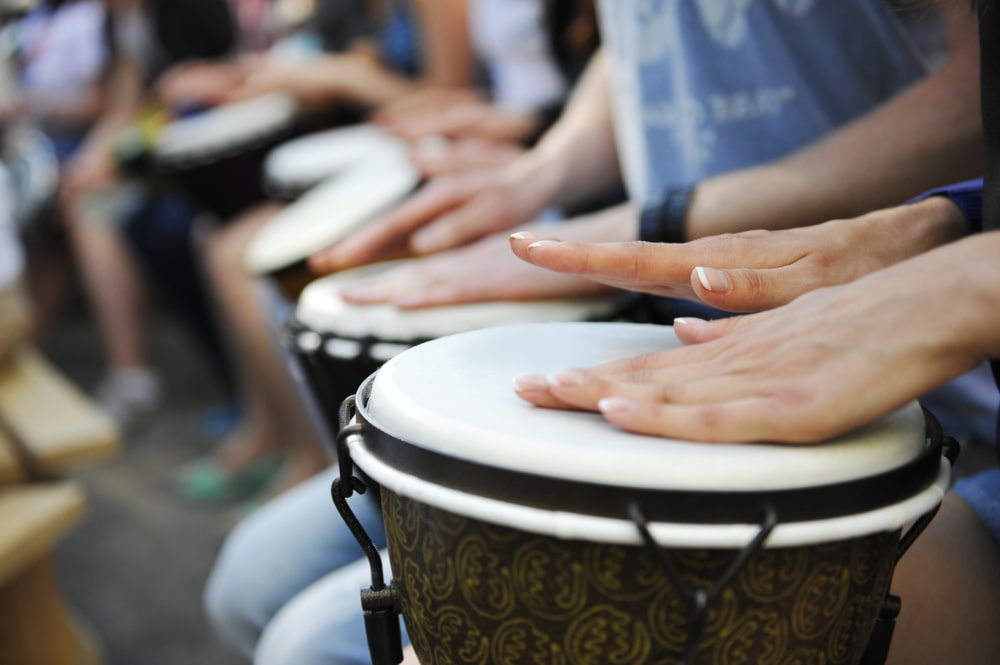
[745, 289]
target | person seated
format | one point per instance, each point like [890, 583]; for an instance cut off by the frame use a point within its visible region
[578, 160]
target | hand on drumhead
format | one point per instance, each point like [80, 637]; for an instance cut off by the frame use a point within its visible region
[830, 361]
[471, 118]
[754, 270]
[422, 103]
[463, 155]
[449, 211]
[481, 272]
[205, 83]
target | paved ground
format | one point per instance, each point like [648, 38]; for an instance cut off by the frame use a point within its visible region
[134, 569]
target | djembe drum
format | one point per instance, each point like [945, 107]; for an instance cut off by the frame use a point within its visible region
[217, 156]
[294, 167]
[339, 344]
[526, 535]
[327, 213]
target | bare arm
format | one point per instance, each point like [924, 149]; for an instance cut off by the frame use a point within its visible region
[358, 77]
[794, 373]
[754, 270]
[93, 165]
[576, 159]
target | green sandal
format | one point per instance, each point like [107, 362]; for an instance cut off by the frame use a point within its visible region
[207, 480]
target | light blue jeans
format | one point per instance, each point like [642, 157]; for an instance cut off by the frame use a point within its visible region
[285, 589]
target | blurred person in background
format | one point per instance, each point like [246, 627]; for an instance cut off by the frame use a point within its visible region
[269, 591]
[397, 48]
[97, 199]
[15, 309]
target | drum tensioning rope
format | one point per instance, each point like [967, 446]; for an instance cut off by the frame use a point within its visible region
[380, 602]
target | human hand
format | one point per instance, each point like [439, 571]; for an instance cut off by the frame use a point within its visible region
[471, 117]
[754, 270]
[462, 155]
[422, 103]
[830, 361]
[314, 83]
[88, 172]
[449, 211]
[204, 83]
[484, 271]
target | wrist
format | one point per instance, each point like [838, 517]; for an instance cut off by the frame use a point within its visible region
[537, 178]
[664, 219]
[966, 196]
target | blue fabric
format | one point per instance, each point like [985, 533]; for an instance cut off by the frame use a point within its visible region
[982, 492]
[728, 85]
[968, 196]
[275, 592]
[398, 40]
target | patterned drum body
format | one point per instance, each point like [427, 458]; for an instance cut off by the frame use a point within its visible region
[473, 592]
[512, 535]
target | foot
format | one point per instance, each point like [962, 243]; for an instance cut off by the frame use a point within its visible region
[128, 394]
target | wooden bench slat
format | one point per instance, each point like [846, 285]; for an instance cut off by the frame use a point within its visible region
[32, 518]
[55, 422]
[11, 470]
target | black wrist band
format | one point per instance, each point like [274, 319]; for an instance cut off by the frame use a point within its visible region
[665, 218]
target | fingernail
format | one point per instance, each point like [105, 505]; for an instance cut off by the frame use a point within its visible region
[616, 405]
[688, 321]
[716, 281]
[542, 243]
[530, 383]
[566, 379]
[522, 235]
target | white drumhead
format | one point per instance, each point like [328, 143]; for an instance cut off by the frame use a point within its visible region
[331, 210]
[453, 396]
[303, 162]
[225, 128]
[321, 309]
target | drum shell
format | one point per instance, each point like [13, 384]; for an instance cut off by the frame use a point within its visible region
[227, 184]
[329, 380]
[474, 592]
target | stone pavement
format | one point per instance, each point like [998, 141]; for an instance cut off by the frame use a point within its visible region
[134, 569]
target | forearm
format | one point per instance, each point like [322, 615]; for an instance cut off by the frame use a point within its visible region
[122, 99]
[975, 300]
[927, 136]
[362, 80]
[576, 160]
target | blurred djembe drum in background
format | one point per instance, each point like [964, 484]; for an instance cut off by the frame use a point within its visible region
[217, 156]
[340, 344]
[294, 167]
[526, 535]
[339, 205]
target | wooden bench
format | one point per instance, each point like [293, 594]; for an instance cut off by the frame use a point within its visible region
[54, 426]
[35, 626]
[48, 427]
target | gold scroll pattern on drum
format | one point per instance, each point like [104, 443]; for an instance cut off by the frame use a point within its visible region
[479, 593]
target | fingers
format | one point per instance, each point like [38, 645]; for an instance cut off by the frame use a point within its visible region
[749, 289]
[702, 411]
[738, 421]
[394, 228]
[479, 216]
[638, 266]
